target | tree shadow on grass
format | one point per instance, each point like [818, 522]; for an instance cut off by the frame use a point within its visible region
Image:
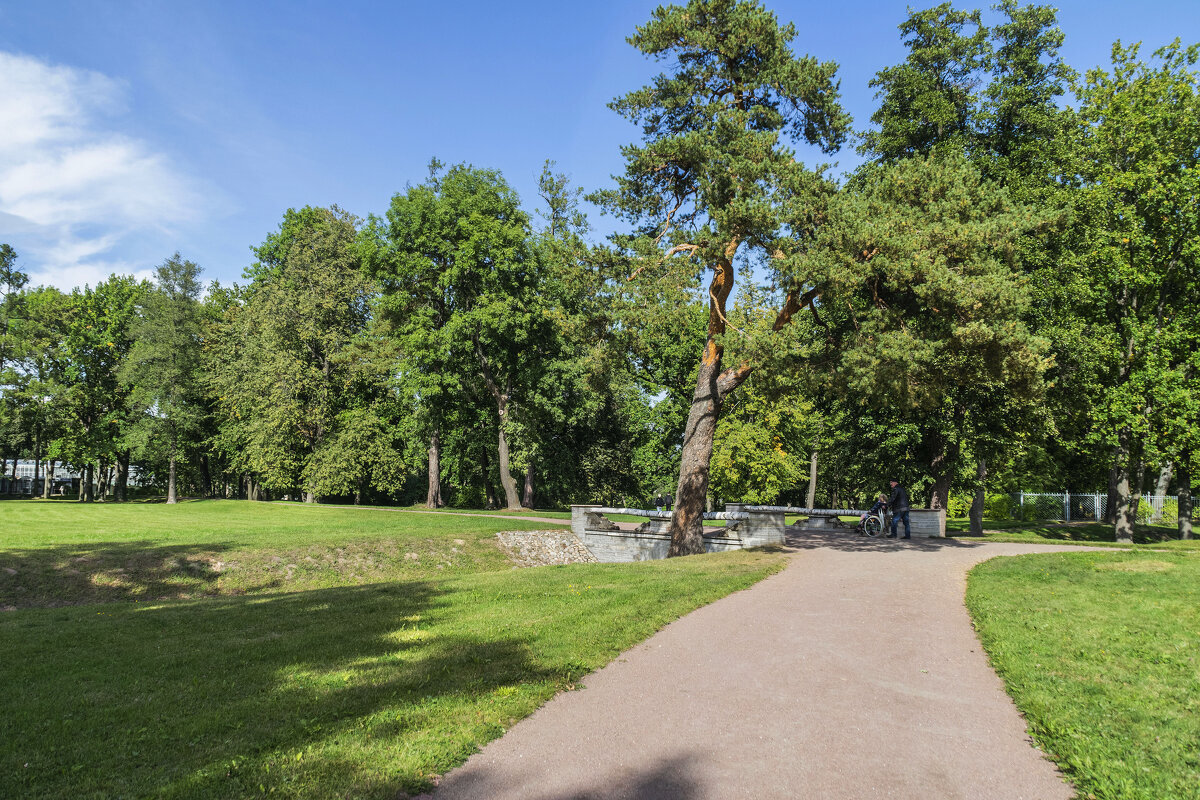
[1077, 533]
[363, 691]
[101, 572]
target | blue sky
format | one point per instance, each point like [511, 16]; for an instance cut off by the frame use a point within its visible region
[132, 129]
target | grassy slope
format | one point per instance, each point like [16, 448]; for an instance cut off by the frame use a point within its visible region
[341, 690]
[1101, 651]
[59, 553]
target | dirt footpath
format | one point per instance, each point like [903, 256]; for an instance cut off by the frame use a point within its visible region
[854, 673]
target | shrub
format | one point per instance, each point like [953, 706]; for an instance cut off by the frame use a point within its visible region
[997, 506]
[959, 505]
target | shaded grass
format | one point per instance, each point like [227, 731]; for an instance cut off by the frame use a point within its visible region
[364, 691]
[1101, 652]
[61, 553]
[1098, 534]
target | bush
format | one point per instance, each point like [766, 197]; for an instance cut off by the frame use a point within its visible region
[998, 506]
[959, 505]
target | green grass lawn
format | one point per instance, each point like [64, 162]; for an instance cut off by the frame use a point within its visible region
[1098, 534]
[364, 677]
[1101, 652]
[56, 553]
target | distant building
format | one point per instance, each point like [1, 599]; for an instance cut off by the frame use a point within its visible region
[19, 482]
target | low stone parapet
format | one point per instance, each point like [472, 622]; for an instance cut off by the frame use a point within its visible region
[609, 542]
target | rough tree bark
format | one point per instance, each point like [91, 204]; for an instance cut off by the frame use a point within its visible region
[511, 498]
[1129, 486]
[433, 498]
[527, 493]
[172, 498]
[48, 480]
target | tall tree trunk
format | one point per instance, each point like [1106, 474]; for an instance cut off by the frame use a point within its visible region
[811, 501]
[310, 497]
[358, 491]
[171, 497]
[527, 494]
[433, 498]
[687, 518]
[501, 396]
[48, 481]
[1184, 479]
[86, 489]
[511, 498]
[712, 387]
[1164, 479]
[123, 476]
[1128, 486]
[251, 489]
[977, 502]
[1120, 454]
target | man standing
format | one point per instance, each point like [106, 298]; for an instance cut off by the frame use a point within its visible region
[898, 503]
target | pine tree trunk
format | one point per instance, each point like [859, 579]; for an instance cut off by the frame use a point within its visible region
[433, 498]
[527, 494]
[171, 497]
[977, 503]
[687, 519]
[812, 481]
[1185, 503]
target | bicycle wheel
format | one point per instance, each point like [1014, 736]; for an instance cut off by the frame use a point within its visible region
[872, 526]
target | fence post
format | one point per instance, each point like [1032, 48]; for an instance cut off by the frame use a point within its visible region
[1066, 506]
[1021, 504]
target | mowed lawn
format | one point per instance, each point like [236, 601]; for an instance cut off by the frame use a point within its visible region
[56, 553]
[364, 682]
[1101, 651]
[1092, 534]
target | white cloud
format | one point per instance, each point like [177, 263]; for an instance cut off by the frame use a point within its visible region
[71, 188]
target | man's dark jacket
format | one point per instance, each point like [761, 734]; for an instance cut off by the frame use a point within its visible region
[899, 500]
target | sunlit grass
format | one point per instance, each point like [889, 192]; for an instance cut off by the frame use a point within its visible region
[358, 692]
[1101, 651]
[63, 553]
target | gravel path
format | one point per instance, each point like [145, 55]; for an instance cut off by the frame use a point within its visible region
[854, 673]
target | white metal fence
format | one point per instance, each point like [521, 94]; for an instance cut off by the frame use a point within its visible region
[1153, 508]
